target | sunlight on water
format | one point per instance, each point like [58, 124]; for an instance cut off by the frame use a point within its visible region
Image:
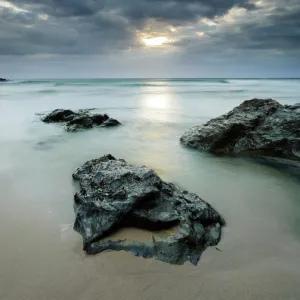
[157, 105]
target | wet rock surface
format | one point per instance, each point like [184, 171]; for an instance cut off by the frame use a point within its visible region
[114, 194]
[257, 127]
[79, 120]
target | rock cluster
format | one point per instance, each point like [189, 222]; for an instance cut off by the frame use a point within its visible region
[78, 120]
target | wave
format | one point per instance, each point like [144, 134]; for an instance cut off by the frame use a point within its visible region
[73, 84]
[48, 91]
[124, 82]
[166, 82]
[202, 92]
[33, 82]
[142, 85]
[212, 80]
[238, 91]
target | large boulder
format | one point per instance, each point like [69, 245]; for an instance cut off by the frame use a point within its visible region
[79, 120]
[256, 127]
[114, 194]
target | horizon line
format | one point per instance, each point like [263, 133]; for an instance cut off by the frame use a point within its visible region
[147, 78]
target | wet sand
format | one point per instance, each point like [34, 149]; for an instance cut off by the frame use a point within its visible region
[41, 256]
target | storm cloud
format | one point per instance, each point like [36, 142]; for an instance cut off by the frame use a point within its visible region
[214, 28]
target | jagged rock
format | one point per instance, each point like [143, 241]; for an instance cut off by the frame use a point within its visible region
[81, 119]
[59, 115]
[80, 122]
[114, 194]
[256, 127]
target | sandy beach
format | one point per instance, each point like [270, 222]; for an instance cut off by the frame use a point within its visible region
[41, 255]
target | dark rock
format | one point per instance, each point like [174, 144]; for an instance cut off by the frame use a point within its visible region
[256, 128]
[98, 119]
[79, 123]
[110, 122]
[59, 115]
[115, 194]
[81, 119]
[3, 80]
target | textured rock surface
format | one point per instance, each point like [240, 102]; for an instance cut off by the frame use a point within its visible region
[114, 194]
[256, 127]
[81, 119]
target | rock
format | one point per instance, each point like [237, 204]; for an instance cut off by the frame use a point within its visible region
[60, 115]
[79, 120]
[3, 80]
[110, 122]
[114, 194]
[98, 119]
[256, 128]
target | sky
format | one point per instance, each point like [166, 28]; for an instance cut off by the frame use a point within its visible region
[149, 38]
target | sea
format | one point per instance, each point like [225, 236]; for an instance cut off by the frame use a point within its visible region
[41, 256]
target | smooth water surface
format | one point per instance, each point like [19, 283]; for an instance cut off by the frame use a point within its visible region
[40, 254]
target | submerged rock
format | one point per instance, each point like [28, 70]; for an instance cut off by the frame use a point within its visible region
[81, 119]
[256, 127]
[114, 194]
[110, 122]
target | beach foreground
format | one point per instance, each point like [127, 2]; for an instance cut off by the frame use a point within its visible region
[41, 255]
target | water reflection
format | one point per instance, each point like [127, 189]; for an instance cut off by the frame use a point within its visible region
[157, 104]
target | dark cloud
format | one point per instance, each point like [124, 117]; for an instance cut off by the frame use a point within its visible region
[279, 31]
[273, 28]
[33, 30]
[84, 27]
[177, 11]
[137, 9]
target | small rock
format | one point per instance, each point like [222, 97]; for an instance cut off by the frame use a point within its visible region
[79, 120]
[110, 123]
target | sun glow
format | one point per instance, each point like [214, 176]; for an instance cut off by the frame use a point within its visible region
[11, 6]
[156, 41]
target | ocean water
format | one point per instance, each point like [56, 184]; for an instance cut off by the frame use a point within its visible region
[40, 254]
